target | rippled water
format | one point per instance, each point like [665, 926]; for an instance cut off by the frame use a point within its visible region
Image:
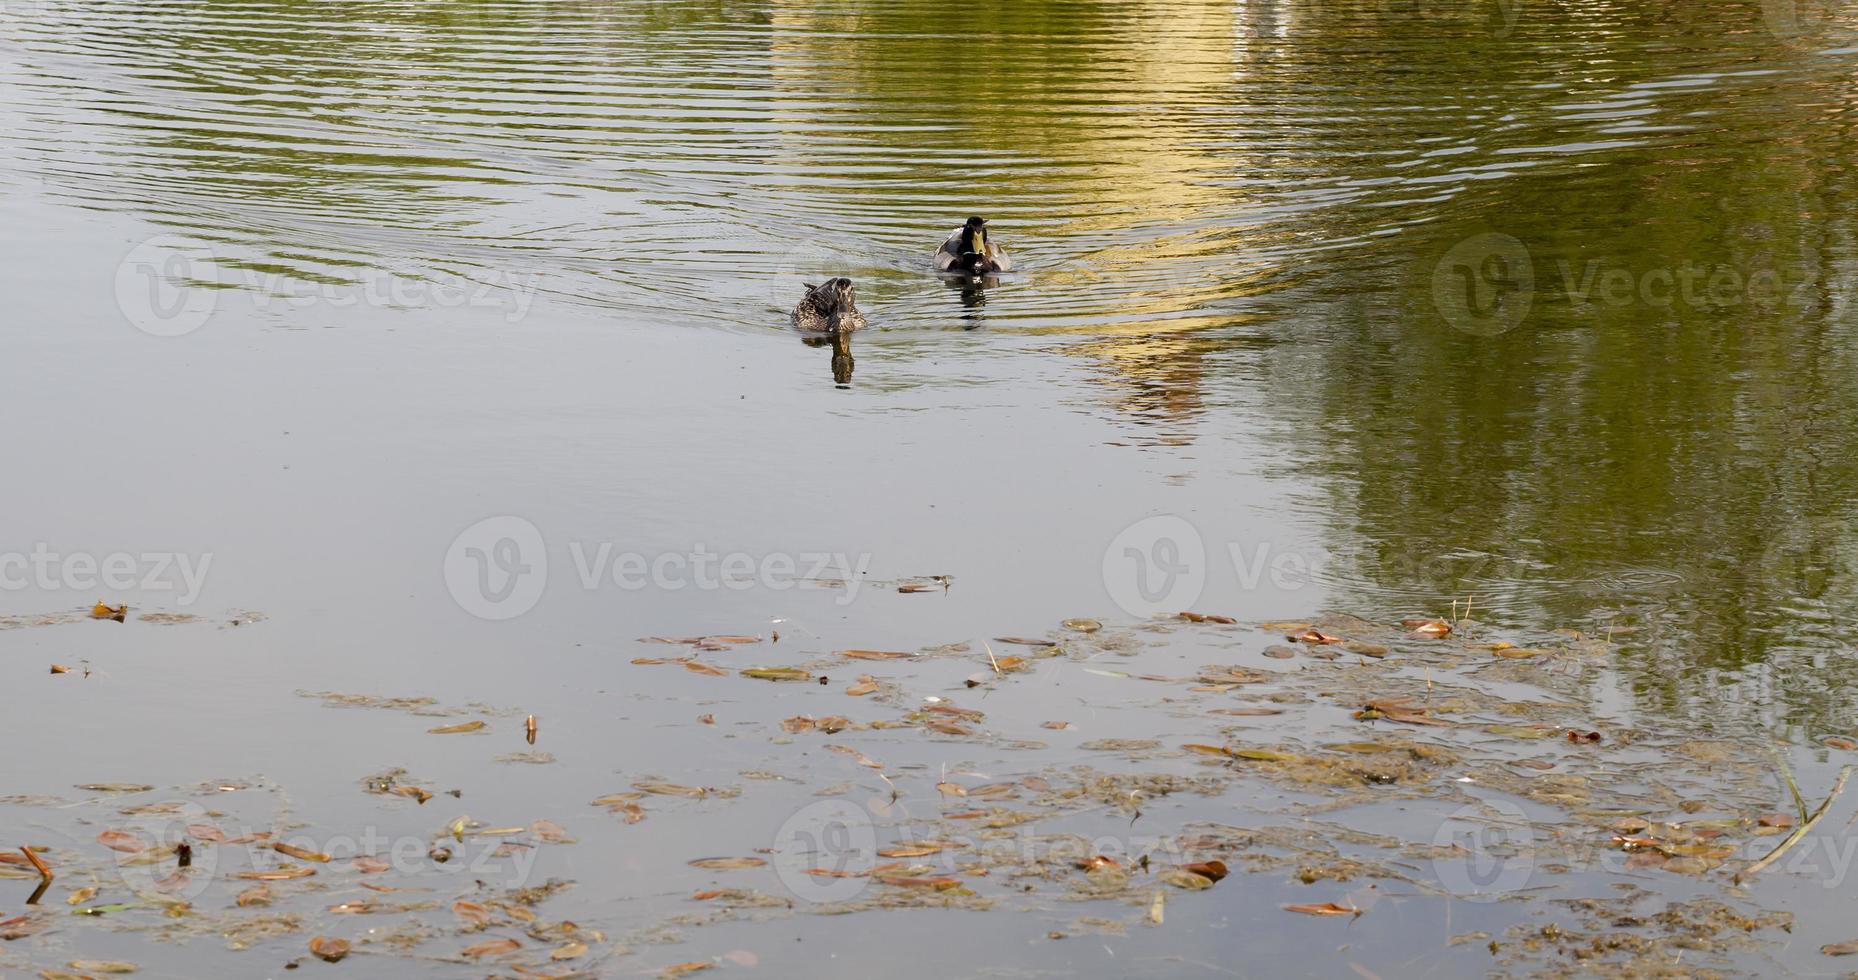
[1547, 307]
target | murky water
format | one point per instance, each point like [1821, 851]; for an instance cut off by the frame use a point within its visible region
[452, 339]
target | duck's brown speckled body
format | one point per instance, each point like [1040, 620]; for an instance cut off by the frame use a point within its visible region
[830, 307]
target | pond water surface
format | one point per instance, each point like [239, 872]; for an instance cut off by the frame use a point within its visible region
[440, 350]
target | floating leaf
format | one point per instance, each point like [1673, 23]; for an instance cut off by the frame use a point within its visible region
[1427, 627]
[863, 760]
[370, 865]
[1025, 641]
[699, 667]
[491, 947]
[1082, 625]
[469, 726]
[115, 787]
[728, 863]
[912, 850]
[472, 914]
[277, 874]
[551, 832]
[777, 674]
[572, 950]
[104, 611]
[1324, 908]
[1247, 712]
[1840, 949]
[1208, 869]
[669, 789]
[1181, 878]
[255, 895]
[939, 883]
[60, 669]
[863, 686]
[82, 895]
[102, 966]
[1194, 617]
[951, 789]
[680, 969]
[301, 854]
[123, 841]
[874, 655]
[329, 949]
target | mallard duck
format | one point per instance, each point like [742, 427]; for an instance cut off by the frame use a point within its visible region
[830, 307]
[970, 250]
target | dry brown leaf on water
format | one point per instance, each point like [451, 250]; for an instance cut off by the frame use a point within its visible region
[103, 610]
[1840, 949]
[1839, 742]
[1427, 627]
[1194, 617]
[572, 950]
[874, 655]
[777, 674]
[947, 728]
[727, 863]
[255, 895]
[490, 947]
[550, 832]
[1082, 625]
[658, 788]
[471, 913]
[1096, 862]
[60, 669]
[1025, 641]
[1247, 712]
[1010, 665]
[370, 865]
[911, 849]
[82, 895]
[102, 966]
[658, 661]
[1155, 906]
[680, 969]
[206, 832]
[861, 758]
[412, 792]
[469, 726]
[863, 686]
[797, 724]
[1215, 870]
[1322, 908]
[277, 874]
[300, 853]
[699, 667]
[951, 789]
[835, 873]
[329, 949]
[122, 841]
[909, 587]
[115, 787]
[1313, 636]
[1400, 710]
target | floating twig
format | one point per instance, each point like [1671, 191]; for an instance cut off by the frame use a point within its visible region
[44, 870]
[1800, 831]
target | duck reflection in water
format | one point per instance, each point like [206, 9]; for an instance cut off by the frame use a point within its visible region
[973, 293]
[841, 344]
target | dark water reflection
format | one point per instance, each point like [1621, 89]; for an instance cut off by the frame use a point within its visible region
[1279, 218]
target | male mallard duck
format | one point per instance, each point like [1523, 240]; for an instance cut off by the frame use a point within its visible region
[970, 250]
[829, 307]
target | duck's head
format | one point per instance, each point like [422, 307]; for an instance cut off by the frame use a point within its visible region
[974, 237]
[834, 296]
